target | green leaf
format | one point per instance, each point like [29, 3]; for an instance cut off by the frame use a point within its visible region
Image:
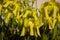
[54, 32]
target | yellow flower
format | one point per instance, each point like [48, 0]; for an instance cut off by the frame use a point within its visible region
[47, 12]
[8, 3]
[50, 13]
[51, 23]
[18, 18]
[17, 9]
[6, 11]
[8, 17]
[16, 5]
[0, 7]
[58, 17]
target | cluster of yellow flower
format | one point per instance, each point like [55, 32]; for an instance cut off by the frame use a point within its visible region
[28, 17]
[50, 11]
